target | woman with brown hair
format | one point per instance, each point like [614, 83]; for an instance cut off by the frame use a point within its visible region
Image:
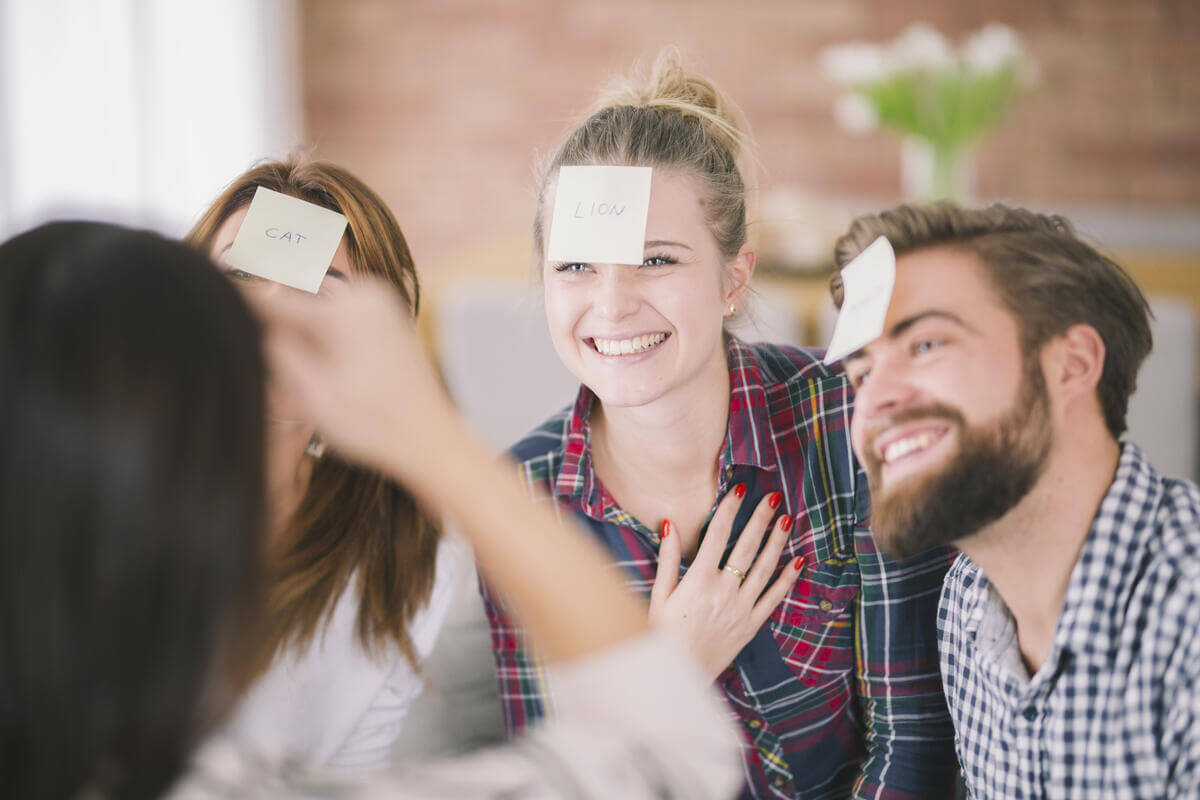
[356, 591]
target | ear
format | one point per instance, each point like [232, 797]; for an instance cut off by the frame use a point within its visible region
[738, 273]
[1075, 362]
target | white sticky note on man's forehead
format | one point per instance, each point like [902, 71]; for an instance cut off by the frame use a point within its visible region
[867, 283]
[600, 215]
[286, 240]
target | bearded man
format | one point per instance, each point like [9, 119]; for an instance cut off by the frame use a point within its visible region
[989, 415]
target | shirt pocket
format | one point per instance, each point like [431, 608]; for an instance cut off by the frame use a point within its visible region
[814, 625]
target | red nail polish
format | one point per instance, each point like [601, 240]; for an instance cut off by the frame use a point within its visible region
[775, 499]
[786, 524]
[666, 528]
[799, 565]
[739, 491]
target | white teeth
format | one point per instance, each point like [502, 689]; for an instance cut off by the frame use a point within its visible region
[903, 447]
[623, 347]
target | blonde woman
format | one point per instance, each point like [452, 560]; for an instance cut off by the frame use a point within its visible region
[834, 677]
[355, 590]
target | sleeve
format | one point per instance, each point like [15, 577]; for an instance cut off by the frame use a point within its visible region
[910, 739]
[637, 721]
[523, 686]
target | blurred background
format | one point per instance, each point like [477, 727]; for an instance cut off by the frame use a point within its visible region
[139, 111]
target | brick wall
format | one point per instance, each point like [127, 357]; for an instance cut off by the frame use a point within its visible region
[441, 105]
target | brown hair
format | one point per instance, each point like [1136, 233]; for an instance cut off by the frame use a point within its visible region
[350, 520]
[676, 120]
[1043, 273]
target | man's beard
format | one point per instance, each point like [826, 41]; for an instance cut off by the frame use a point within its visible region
[995, 467]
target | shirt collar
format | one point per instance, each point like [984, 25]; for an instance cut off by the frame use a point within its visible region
[1121, 529]
[748, 437]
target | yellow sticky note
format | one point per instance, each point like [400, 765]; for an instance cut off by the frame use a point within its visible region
[287, 240]
[867, 281]
[600, 215]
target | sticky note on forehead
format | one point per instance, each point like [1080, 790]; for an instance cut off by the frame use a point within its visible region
[286, 240]
[867, 281]
[600, 215]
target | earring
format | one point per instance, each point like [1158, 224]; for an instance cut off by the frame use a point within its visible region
[732, 309]
[315, 447]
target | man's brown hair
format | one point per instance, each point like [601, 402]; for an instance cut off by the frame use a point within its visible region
[1043, 274]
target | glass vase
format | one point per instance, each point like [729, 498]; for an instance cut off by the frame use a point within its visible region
[930, 172]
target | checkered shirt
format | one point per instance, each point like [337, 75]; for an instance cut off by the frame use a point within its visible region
[1114, 712]
[838, 694]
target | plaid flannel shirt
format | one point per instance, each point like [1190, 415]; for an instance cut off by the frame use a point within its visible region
[1114, 712]
[838, 694]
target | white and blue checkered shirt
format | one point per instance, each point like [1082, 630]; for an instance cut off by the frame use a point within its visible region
[1114, 712]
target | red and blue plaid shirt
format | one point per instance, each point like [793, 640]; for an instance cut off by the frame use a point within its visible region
[838, 694]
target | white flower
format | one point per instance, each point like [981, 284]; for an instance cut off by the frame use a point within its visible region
[919, 47]
[992, 48]
[855, 114]
[853, 64]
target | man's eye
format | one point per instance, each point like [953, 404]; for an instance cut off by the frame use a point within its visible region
[857, 379]
[574, 266]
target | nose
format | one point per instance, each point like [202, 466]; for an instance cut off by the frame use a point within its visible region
[886, 390]
[616, 294]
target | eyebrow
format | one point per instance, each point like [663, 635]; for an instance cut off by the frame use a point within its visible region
[334, 272]
[666, 243]
[903, 325]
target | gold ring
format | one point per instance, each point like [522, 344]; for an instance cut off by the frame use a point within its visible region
[741, 576]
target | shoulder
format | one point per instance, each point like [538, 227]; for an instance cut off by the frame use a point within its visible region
[783, 364]
[539, 452]
[1174, 566]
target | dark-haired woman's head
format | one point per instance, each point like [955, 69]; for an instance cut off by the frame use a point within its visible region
[131, 506]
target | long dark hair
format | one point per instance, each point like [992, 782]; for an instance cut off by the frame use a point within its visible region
[131, 507]
[352, 523]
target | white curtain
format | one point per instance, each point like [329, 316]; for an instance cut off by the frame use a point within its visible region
[140, 111]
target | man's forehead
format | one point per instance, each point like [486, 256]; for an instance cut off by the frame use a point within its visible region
[942, 278]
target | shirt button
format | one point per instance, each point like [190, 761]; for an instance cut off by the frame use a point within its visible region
[779, 781]
[728, 473]
[755, 723]
[1030, 713]
[825, 605]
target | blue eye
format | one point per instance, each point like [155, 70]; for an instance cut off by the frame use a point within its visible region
[923, 346]
[573, 266]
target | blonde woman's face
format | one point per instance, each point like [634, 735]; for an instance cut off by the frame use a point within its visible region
[638, 334]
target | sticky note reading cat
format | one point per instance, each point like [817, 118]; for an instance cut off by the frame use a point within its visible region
[600, 215]
[867, 281]
[286, 240]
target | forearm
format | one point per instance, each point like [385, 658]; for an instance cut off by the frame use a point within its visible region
[549, 574]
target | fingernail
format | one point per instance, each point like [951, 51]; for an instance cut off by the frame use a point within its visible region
[775, 499]
[666, 528]
[786, 524]
[799, 565]
[739, 491]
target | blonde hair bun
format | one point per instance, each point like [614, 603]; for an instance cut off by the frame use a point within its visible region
[671, 85]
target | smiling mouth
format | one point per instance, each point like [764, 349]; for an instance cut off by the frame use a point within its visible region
[911, 445]
[627, 347]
